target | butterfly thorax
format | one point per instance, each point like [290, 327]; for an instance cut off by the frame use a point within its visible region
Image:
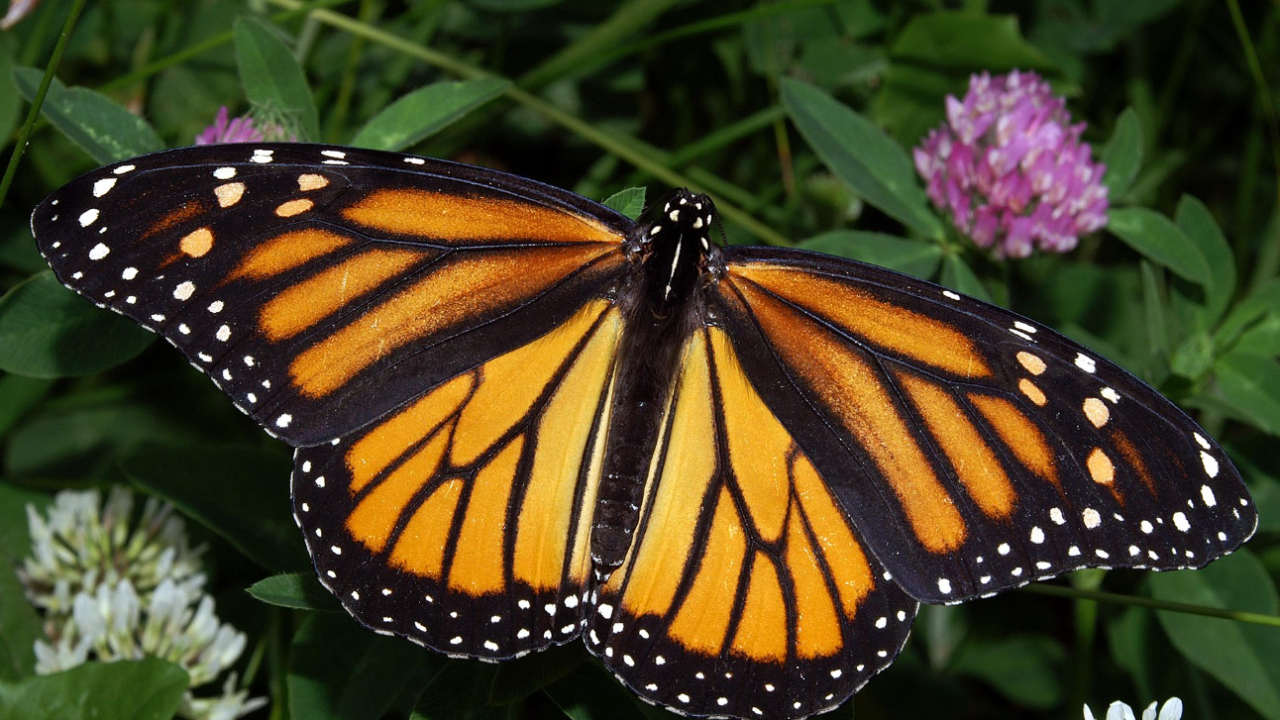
[669, 254]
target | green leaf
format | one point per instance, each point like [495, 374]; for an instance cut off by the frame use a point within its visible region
[238, 492]
[1251, 384]
[339, 670]
[81, 436]
[1027, 669]
[1240, 656]
[861, 155]
[295, 590]
[1123, 154]
[912, 257]
[10, 100]
[1257, 460]
[426, 111]
[629, 202]
[19, 629]
[959, 277]
[590, 693]
[18, 394]
[521, 678]
[460, 690]
[1158, 239]
[1247, 313]
[934, 55]
[272, 78]
[48, 331]
[100, 127]
[1197, 223]
[149, 689]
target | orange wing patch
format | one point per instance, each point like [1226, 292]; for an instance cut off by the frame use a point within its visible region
[915, 336]
[450, 218]
[459, 291]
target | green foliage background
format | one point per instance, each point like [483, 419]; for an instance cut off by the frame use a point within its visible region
[798, 117]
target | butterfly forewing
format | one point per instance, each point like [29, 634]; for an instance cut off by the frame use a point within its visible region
[746, 591]
[975, 450]
[462, 520]
[307, 280]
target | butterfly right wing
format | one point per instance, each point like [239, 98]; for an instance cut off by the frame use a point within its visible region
[461, 521]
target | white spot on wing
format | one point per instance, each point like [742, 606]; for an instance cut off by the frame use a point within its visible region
[1210, 464]
[103, 186]
[1091, 518]
[99, 251]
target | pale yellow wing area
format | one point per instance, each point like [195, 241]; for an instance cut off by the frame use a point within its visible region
[746, 591]
[462, 520]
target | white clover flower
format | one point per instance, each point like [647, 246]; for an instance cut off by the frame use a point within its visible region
[111, 590]
[82, 543]
[1171, 710]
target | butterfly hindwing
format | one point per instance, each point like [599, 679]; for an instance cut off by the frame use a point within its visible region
[461, 520]
[746, 591]
[319, 287]
[974, 450]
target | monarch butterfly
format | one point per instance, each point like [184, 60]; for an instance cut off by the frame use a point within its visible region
[523, 418]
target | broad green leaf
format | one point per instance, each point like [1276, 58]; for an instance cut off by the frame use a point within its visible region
[81, 437]
[1262, 337]
[959, 277]
[272, 77]
[19, 628]
[10, 100]
[149, 689]
[1123, 154]
[521, 678]
[912, 257]
[18, 394]
[1026, 669]
[1240, 656]
[861, 155]
[1129, 638]
[590, 693]
[102, 128]
[1257, 460]
[426, 111]
[1251, 384]
[1248, 313]
[935, 54]
[339, 670]
[295, 590]
[629, 202]
[460, 690]
[48, 331]
[1195, 220]
[240, 493]
[1161, 241]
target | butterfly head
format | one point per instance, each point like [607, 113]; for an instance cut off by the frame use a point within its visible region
[674, 243]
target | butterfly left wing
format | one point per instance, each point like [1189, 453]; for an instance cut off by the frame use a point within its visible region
[461, 521]
[746, 591]
[319, 286]
[973, 449]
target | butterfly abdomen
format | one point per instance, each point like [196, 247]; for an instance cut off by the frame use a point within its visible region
[656, 306]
